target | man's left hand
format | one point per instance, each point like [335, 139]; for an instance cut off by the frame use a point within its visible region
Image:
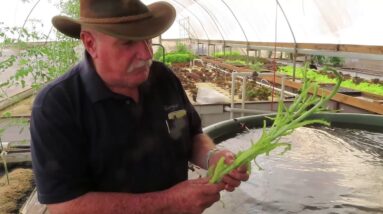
[235, 177]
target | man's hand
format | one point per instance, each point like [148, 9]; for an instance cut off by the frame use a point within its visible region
[235, 177]
[194, 196]
[187, 197]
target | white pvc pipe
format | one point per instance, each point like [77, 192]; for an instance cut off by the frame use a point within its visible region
[243, 94]
[251, 111]
[233, 76]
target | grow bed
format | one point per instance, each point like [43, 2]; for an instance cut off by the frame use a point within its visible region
[219, 79]
[374, 86]
[342, 90]
[14, 194]
[369, 102]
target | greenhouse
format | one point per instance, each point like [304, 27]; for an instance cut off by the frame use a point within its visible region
[293, 88]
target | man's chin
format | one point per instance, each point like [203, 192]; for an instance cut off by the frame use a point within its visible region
[138, 78]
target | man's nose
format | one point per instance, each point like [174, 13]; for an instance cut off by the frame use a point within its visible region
[146, 50]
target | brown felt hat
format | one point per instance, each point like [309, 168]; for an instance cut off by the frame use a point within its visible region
[123, 19]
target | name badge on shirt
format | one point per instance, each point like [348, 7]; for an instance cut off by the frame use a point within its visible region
[176, 123]
[177, 114]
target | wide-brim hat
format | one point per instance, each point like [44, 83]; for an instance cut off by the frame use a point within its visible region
[123, 19]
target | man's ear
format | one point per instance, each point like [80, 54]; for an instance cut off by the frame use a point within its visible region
[89, 42]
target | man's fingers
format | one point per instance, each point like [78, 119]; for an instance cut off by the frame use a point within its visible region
[204, 180]
[213, 188]
[229, 157]
[239, 175]
[242, 169]
[231, 181]
[221, 186]
[229, 188]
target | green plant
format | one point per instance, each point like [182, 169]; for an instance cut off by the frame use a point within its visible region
[320, 78]
[42, 62]
[285, 121]
[263, 93]
[226, 54]
[323, 60]
[318, 59]
[180, 54]
[336, 61]
[257, 66]
[236, 62]
[179, 57]
[70, 7]
[251, 94]
[181, 48]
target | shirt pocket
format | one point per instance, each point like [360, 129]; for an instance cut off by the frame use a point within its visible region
[177, 123]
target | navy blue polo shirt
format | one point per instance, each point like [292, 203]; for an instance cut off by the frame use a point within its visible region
[86, 138]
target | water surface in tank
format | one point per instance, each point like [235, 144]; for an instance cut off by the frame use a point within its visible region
[328, 170]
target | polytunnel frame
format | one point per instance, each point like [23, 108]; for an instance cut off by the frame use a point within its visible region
[338, 50]
[187, 30]
[215, 23]
[293, 35]
[29, 14]
[248, 49]
[243, 31]
[199, 21]
[288, 23]
[369, 52]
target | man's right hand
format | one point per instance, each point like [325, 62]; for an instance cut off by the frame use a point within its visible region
[187, 197]
[194, 196]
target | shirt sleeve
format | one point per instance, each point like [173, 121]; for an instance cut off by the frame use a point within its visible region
[58, 148]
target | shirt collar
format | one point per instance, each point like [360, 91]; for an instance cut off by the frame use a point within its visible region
[94, 86]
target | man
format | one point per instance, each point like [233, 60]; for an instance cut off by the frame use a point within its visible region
[116, 132]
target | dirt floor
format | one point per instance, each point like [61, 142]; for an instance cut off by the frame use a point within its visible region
[14, 194]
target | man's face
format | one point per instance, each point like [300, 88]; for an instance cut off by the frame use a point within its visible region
[122, 63]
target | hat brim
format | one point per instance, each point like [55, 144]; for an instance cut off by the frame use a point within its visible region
[163, 15]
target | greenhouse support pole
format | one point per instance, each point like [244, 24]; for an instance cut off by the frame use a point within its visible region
[243, 94]
[208, 50]
[295, 41]
[163, 50]
[247, 53]
[26, 19]
[295, 60]
[239, 23]
[233, 77]
[244, 75]
[248, 111]
[196, 17]
[212, 17]
[283, 87]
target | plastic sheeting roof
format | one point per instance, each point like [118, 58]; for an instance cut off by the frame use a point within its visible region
[312, 21]
[13, 13]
